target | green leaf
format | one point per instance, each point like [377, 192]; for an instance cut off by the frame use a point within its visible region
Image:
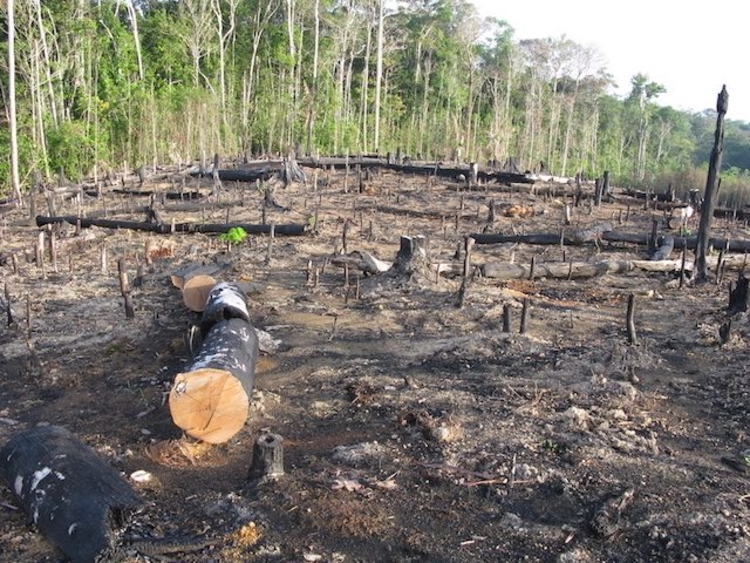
[235, 235]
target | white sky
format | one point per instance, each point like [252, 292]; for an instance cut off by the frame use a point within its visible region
[671, 42]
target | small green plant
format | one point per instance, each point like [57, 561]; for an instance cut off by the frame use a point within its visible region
[235, 235]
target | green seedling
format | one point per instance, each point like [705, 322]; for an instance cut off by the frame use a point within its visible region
[235, 235]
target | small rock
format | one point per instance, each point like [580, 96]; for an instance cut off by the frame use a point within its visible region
[141, 476]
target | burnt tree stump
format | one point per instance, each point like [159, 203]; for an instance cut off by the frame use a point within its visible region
[413, 256]
[712, 187]
[738, 297]
[74, 498]
[664, 250]
[268, 458]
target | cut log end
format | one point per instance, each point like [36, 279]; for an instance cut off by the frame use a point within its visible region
[195, 292]
[209, 404]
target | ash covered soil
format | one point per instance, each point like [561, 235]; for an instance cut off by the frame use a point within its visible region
[414, 430]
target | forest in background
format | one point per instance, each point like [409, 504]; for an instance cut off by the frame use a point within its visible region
[121, 84]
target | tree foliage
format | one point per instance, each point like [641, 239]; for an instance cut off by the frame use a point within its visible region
[116, 83]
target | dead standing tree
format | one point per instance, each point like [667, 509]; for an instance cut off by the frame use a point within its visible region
[712, 187]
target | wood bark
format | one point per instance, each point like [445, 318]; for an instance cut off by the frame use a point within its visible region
[73, 497]
[225, 301]
[251, 229]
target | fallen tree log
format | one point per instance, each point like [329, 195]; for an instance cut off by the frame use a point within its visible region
[73, 497]
[564, 270]
[195, 281]
[225, 301]
[733, 245]
[210, 399]
[240, 175]
[363, 261]
[418, 168]
[164, 228]
[182, 196]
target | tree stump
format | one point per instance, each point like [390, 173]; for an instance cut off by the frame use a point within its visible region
[665, 250]
[413, 256]
[73, 497]
[268, 458]
[738, 297]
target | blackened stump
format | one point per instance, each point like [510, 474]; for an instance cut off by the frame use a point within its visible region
[268, 458]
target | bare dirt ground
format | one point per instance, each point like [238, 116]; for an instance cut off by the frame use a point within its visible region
[414, 431]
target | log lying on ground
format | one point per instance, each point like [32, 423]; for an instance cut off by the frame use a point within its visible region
[564, 270]
[73, 497]
[418, 168]
[735, 245]
[163, 228]
[362, 260]
[239, 175]
[195, 281]
[210, 399]
[225, 301]
[182, 196]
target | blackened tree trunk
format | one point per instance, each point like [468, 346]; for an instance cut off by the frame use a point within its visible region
[73, 497]
[712, 187]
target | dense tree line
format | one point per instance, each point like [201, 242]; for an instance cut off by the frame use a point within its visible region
[116, 83]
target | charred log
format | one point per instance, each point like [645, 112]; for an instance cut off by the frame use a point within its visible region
[72, 496]
[252, 229]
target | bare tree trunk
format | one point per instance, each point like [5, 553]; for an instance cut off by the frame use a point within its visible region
[47, 66]
[14, 175]
[378, 75]
[316, 57]
[364, 92]
[136, 38]
[712, 187]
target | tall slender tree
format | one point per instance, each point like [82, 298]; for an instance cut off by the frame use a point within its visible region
[15, 180]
